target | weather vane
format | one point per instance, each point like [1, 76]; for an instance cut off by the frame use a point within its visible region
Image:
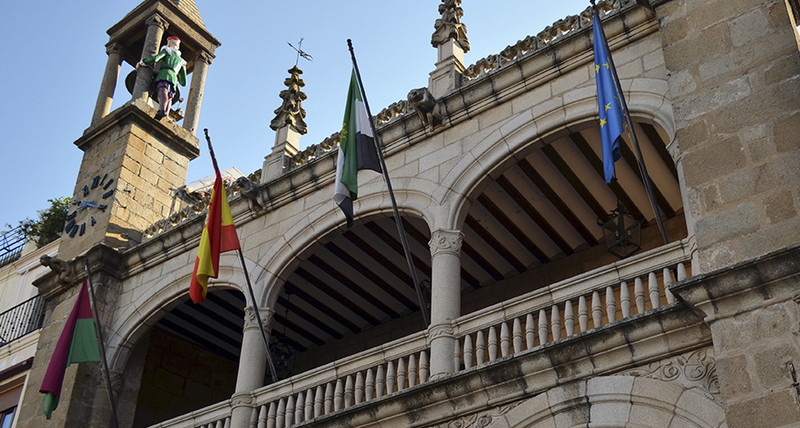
[300, 52]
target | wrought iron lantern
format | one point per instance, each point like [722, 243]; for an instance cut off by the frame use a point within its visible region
[622, 230]
[282, 351]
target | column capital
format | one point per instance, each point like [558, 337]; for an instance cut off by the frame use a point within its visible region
[446, 241]
[205, 57]
[157, 20]
[114, 48]
[250, 321]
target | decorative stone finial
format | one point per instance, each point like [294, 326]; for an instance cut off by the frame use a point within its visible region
[450, 26]
[291, 112]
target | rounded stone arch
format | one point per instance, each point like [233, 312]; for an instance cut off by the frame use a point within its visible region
[283, 259]
[523, 133]
[169, 292]
[618, 401]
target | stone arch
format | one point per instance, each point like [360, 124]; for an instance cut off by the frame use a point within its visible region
[520, 134]
[168, 292]
[618, 401]
[282, 260]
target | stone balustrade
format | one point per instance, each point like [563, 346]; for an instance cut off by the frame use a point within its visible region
[631, 287]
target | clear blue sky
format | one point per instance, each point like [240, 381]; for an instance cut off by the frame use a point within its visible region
[54, 58]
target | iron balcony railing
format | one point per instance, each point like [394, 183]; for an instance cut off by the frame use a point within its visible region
[11, 244]
[22, 319]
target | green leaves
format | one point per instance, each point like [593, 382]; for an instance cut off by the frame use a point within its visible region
[50, 223]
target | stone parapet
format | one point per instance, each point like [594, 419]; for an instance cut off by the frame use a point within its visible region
[753, 311]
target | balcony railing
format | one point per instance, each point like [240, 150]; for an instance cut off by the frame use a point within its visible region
[22, 319]
[614, 292]
[11, 244]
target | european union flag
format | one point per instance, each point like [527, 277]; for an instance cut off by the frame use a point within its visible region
[608, 102]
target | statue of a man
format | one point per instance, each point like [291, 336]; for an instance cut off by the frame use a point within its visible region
[172, 71]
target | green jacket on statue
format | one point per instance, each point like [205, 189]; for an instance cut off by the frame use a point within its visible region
[172, 66]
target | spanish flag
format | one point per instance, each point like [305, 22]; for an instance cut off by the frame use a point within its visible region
[77, 344]
[219, 236]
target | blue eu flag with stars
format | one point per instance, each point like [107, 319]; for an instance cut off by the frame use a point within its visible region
[608, 102]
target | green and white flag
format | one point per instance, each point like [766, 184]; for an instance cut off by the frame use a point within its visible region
[357, 151]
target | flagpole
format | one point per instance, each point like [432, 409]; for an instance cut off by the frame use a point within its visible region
[400, 230]
[640, 160]
[99, 333]
[272, 371]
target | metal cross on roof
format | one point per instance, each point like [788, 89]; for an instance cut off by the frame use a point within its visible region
[300, 52]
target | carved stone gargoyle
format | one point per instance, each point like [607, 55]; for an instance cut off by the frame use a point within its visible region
[66, 274]
[430, 111]
[251, 192]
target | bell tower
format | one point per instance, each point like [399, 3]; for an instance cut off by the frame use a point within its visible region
[133, 161]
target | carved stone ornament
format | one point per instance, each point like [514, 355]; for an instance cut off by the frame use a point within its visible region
[241, 400]
[117, 379]
[205, 57]
[250, 321]
[291, 112]
[251, 192]
[446, 241]
[449, 26]
[440, 330]
[158, 21]
[430, 111]
[114, 48]
[480, 420]
[64, 270]
[695, 370]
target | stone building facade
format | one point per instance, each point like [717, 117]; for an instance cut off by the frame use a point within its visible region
[495, 170]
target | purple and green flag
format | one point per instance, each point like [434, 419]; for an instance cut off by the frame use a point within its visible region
[77, 344]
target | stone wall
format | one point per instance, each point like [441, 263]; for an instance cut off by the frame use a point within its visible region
[733, 76]
[180, 377]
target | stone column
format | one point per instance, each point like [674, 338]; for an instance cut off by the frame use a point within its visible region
[195, 98]
[109, 83]
[252, 367]
[445, 298]
[156, 25]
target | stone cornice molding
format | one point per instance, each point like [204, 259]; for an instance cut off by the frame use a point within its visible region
[103, 260]
[446, 242]
[753, 285]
